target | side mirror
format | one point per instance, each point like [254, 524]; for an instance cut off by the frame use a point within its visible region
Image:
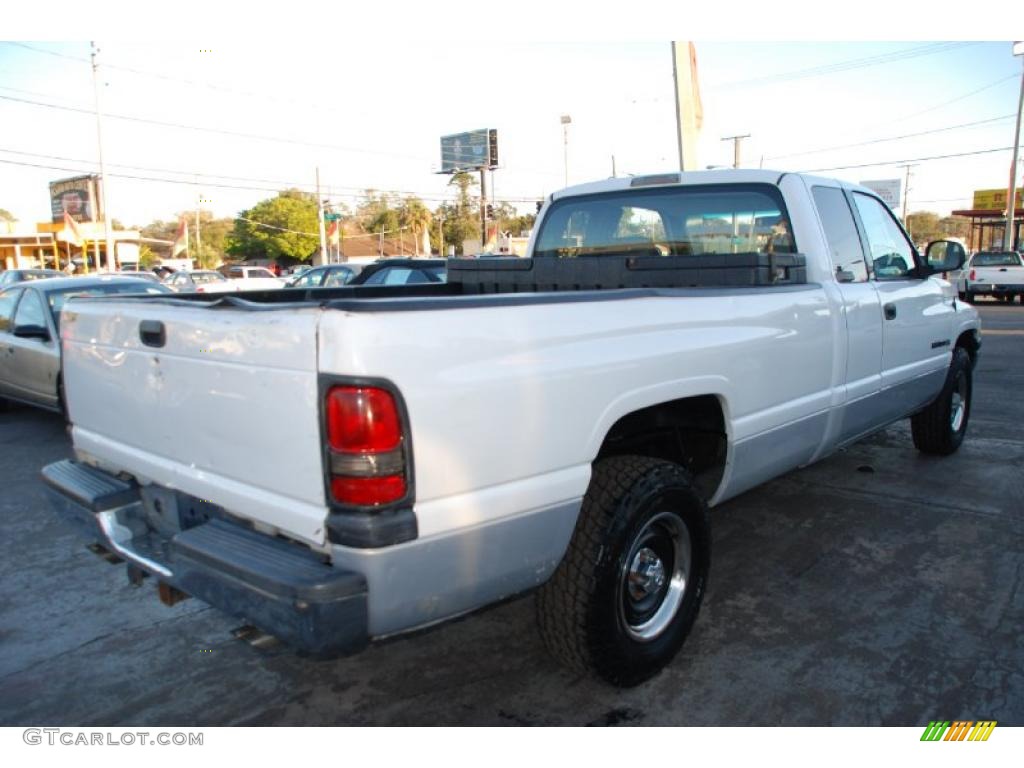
[32, 332]
[944, 256]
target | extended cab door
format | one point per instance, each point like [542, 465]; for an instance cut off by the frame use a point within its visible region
[917, 313]
[861, 312]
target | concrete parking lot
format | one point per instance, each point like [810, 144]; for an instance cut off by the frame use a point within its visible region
[876, 587]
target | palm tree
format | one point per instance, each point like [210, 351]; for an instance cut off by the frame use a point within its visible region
[415, 215]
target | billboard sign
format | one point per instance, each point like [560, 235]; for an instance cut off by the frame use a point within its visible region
[994, 200]
[77, 196]
[469, 151]
[887, 189]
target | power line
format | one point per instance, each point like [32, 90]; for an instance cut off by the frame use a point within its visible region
[907, 160]
[849, 64]
[994, 83]
[276, 184]
[890, 138]
[221, 131]
[172, 78]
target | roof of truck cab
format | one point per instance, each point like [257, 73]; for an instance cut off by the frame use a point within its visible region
[675, 178]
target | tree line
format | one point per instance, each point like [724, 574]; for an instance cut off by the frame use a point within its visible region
[285, 228]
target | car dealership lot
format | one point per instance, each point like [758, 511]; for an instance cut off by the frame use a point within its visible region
[877, 587]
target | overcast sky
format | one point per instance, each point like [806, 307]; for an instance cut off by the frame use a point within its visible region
[369, 111]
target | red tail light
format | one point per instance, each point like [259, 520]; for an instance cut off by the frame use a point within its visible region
[365, 446]
[971, 276]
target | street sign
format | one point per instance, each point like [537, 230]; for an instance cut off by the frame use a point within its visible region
[887, 189]
[332, 217]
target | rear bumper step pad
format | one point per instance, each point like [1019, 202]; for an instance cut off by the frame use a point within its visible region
[283, 588]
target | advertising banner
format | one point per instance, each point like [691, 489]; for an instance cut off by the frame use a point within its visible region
[994, 200]
[887, 189]
[77, 197]
[469, 151]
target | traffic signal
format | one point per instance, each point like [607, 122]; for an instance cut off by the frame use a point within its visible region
[540, 204]
[490, 211]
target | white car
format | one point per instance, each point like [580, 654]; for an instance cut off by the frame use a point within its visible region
[199, 281]
[254, 278]
[561, 422]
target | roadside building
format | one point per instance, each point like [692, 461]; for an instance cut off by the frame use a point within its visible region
[987, 215]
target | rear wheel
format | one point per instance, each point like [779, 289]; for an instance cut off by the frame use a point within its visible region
[625, 596]
[969, 297]
[940, 428]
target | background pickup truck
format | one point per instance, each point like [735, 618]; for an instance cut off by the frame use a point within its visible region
[999, 274]
[560, 422]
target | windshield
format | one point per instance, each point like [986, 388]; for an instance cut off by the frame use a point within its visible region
[57, 299]
[1008, 259]
[675, 221]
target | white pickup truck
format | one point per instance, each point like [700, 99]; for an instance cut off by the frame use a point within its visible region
[340, 465]
[999, 274]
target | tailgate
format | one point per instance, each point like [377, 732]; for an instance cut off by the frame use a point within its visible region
[224, 406]
[999, 275]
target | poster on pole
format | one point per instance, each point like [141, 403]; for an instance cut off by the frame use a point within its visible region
[887, 189]
[78, 197]
[469, 151]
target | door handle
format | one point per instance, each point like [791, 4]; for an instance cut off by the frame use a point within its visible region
[152, 333]
[890, 311]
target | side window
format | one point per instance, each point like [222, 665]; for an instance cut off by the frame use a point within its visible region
[390, 276]
[7, 301]
[892, 256]
[337, 277]
[309, 279]
[840, 232]
[30, 311]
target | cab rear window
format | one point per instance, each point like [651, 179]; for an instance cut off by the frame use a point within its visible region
[675, 221]
[1008, 259]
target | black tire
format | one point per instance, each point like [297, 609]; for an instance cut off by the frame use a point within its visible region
[962, 296]
[605, 610]
[937, 429]
[969, 297]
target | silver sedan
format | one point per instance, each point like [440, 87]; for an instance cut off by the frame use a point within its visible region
[30, 333]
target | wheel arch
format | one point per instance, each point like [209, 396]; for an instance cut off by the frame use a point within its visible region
[970, 339]
[692, 430]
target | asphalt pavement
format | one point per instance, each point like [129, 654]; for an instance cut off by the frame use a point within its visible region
[878, 586]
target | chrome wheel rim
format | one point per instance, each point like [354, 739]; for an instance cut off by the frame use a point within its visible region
[958, 404]
[654, 577]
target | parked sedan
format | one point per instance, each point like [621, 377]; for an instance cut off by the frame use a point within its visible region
[199, 281]
[30, 332]
[328, 276]
[403, 272]
[12, 276]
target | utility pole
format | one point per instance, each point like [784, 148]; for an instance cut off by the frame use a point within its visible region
[111, 263]
[440, 230]
[1011, 199]
[483, 208]
[566, 120]
[906, 192]
[320, 216]
[199, 238]
[736, 147]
